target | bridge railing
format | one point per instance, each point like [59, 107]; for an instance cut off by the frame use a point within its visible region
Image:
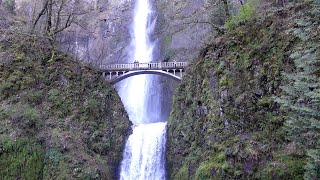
[144, 66]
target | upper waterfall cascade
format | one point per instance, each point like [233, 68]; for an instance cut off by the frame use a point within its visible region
[143, 157]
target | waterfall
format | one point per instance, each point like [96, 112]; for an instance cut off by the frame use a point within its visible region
[144, 153]
[143, 157]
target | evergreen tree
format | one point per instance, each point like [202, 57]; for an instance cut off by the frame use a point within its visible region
[301, 100]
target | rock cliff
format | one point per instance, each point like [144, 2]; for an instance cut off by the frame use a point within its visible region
[99, 31]
[225, 123]
[58, 118]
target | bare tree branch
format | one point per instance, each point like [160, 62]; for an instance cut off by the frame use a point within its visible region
[68, 24]
[42, 12]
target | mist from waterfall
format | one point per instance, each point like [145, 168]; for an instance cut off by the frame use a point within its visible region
[143, 157]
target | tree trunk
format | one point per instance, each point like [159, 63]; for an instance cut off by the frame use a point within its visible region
[49, 30]
[49, 17]
[42, 12]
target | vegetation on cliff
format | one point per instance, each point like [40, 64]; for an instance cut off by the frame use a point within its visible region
[248, 108]
[58, 118]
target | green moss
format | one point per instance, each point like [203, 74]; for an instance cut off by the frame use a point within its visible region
[224, 81]
[167, 41]
[20, 56]
[265, 101]
[214, 168]
[31, 117]
[20, 159]
[284, 167]
[6, 88]
[54, 165]
[21, 114]
[53, 96]
[220, 157]
[235, 81]
[204, 171]
[247, 13]
[82, 123]
[183, 174]
[34, 97]
[60, 102]
[93, 107]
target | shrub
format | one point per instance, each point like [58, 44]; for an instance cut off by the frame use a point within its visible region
[22, 115]
[285, 167]
[60, 104]
[182, 174]
[247, 13]
[204, 171]
[54, 165]
[214, 168]
[31, 117]
[34, 97]
[5, 89]
[20, 159]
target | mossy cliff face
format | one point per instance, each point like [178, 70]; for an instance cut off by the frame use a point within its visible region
[58, 118]
[225, 123]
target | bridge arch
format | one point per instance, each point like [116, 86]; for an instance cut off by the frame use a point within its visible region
[139, 72]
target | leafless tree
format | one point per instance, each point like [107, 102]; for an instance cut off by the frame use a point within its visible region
[219, 12]
[57, 15]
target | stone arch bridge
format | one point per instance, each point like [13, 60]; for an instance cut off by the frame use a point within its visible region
[117, 72]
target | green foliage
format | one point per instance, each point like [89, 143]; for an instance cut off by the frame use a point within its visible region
[214, 168]
[60, 103]
[252, 56]
[22, 115]
[265, 102]
[247, 13]
[225, 81]
[167, 42]
[34, 97]
[301, 102]
[31, 117]
[96, 143]
[5, 88]
[284, 167]
[83, 123]
[53, 96]
[93, 106]
[20, 159]
[54, 165]
[204, 171]
[183, 173]
[53, 156]
[91, 110]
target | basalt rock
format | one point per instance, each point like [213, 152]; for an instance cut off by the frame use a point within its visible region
[237, 78]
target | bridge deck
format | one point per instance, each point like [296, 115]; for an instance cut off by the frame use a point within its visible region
[144, 66]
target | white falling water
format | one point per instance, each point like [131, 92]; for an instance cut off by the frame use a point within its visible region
[143, 157]
[134, 90]
[144, 153]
